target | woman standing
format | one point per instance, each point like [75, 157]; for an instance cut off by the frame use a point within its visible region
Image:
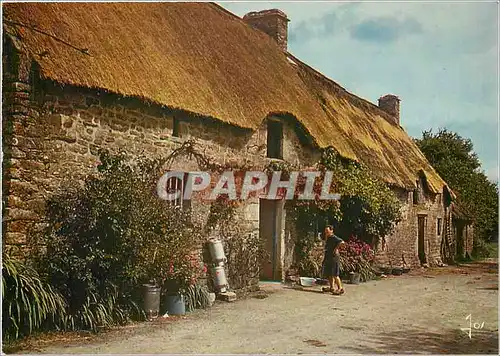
[331, 261]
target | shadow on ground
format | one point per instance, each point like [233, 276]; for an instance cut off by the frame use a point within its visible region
[423, 341]
[484, 267]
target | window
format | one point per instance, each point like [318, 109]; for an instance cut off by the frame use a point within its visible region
[274, 139]
[177, 128]
[439, 225]
[417, 194]
[175, 184]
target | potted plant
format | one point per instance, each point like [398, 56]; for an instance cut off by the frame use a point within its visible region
[164, 254]
[182, 275]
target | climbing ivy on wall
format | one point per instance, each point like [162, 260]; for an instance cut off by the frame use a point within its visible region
[244, 252]
[367, 208]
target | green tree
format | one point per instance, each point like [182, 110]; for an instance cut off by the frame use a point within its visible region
[456, 162]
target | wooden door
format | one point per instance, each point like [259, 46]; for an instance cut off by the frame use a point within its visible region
[421, 239]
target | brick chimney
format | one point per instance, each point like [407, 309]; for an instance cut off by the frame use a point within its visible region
[273, 22]
[390, 104]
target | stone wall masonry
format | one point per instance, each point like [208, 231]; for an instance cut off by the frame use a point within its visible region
[469, 239]
[404, 239]
[273, 22]
[60, 138]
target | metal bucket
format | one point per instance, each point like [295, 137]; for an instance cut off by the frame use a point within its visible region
[354, 278]
[217, 251]
[397, 271]
[151, 300]
[220, 281]
[175, 304]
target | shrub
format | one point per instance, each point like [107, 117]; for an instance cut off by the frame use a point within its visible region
[357, 256]
[244, 251]
[28, 302]
[368, 206]
[111, 235]
[482, 249]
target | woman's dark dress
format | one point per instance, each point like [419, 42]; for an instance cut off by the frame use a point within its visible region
[331, 263]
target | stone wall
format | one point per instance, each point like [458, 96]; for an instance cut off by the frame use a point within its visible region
[404, 239]
[469, 239]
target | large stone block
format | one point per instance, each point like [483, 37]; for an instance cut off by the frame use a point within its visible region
[20, 214]
[251, 212]
[15, 238]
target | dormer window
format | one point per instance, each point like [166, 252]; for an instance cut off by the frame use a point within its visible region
[274, 139]
[417, 194]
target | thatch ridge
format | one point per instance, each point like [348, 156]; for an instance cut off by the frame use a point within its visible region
[382, 145]
[340, 89]
[200, 58]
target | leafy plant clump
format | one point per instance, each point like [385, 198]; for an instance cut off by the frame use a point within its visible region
[244, 251]
[28, 302]
[197, 297]
[369, 208]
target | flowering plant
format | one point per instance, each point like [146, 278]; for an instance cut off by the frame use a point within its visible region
[357, 256]
[183, 271]
[357, 249]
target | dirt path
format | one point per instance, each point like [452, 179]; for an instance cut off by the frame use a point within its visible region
[421, 313]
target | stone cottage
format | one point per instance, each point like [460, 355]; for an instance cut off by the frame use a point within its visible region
[145, 77]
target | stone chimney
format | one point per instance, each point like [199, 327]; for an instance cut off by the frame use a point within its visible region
[390, 104]
[273, 22]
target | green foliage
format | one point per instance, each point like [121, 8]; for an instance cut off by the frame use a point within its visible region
[279, 166]
[449, 151]
[28, 301]
[196, 297]
[110, 236]
[310, 262]
[492, 249]
[305, 216]
[483, 249]
[454, 159]
[367, 208]
[244, 255]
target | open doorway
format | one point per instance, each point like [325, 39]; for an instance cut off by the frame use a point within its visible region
[270, 227]
[421, 238]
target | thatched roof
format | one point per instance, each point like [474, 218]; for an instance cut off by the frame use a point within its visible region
[460, 213]
[200, 58]
[369, 134]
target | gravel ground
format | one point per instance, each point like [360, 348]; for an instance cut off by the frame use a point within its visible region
[418, 313]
